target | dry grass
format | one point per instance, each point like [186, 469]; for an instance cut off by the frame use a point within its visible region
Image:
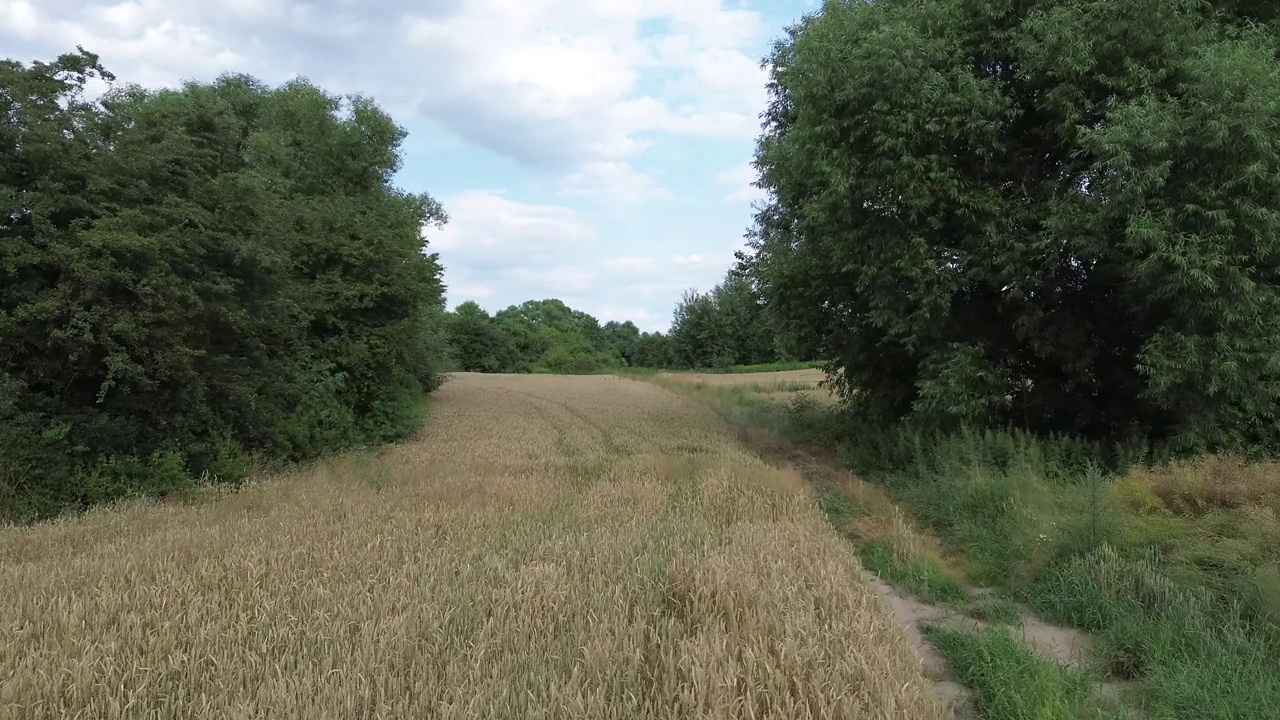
[1213, 482]
[779, 386]
[551, 547]
[811, 377]
[782, 379]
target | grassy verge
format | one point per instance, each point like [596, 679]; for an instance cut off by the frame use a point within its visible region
[733, 369]
[1009, 681]
[769, 367]
[1175, 570]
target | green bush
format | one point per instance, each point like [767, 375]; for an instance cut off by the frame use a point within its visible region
[195, 280]
[1056, 214]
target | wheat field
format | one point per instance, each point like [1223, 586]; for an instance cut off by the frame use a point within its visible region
[549, 547]
[777, 386]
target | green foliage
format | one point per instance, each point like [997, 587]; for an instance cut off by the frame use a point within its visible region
[653, 350]
[724, 330]
[194, 278]
[1010, 681]
[1056, 214]
[477, 344]
[924, 577]
[536, 336]
[727, 330]
[1172, 568]
[729, 326]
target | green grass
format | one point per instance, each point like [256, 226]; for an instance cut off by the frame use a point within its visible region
[1178, 602]
[1009, 681]
[923, 577]
[732, 369]
[780, 386]
[839, 508]
[1176, 572]
[994, 609]
[770, 367]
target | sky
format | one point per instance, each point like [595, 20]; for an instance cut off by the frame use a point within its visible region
[597, 151]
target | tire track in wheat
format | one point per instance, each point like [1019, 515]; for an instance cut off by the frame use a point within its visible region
[659, 570]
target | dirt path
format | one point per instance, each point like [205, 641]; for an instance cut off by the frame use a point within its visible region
[1066, 646]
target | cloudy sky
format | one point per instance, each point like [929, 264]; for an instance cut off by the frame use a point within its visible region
[591, 150]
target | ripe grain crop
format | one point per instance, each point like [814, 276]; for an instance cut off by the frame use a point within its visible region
[549, 547]
[809, 377]
[785, 387]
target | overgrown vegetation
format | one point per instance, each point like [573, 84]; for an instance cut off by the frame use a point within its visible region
[1010, 682]
[196, 280]
[1040, 243]
[544, 336]
[1174, 568]
[1179, 586]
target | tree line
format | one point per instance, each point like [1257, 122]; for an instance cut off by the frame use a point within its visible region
[201, 281]
[197, 280]
[725, 326]
[1060, 215]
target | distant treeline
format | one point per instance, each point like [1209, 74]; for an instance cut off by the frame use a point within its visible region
[725, 327]
[197, 281]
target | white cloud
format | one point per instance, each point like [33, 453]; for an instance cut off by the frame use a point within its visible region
[556, 83]
[560, 85]
[468, 291]
[630, 265]
[741, 177]
[720, 260]
[487, 229]
[19, 18]
[578, 91]
[615, 182]
[553, 281]
[641, 316]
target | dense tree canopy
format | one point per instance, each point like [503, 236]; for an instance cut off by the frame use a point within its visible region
[535, 336]
[193, 278]
[1058, 213]
[727, 326]
[724, 327]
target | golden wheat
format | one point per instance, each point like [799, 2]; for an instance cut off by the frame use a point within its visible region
[549, 548]
[810, 377]
[782, 386]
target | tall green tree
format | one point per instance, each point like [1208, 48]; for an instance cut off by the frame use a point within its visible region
[654, 350]
[478, 344]
[700, 333]
[623, 337]
[1059, 213]
[535, 336]
[730, 325]
[193, 278]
